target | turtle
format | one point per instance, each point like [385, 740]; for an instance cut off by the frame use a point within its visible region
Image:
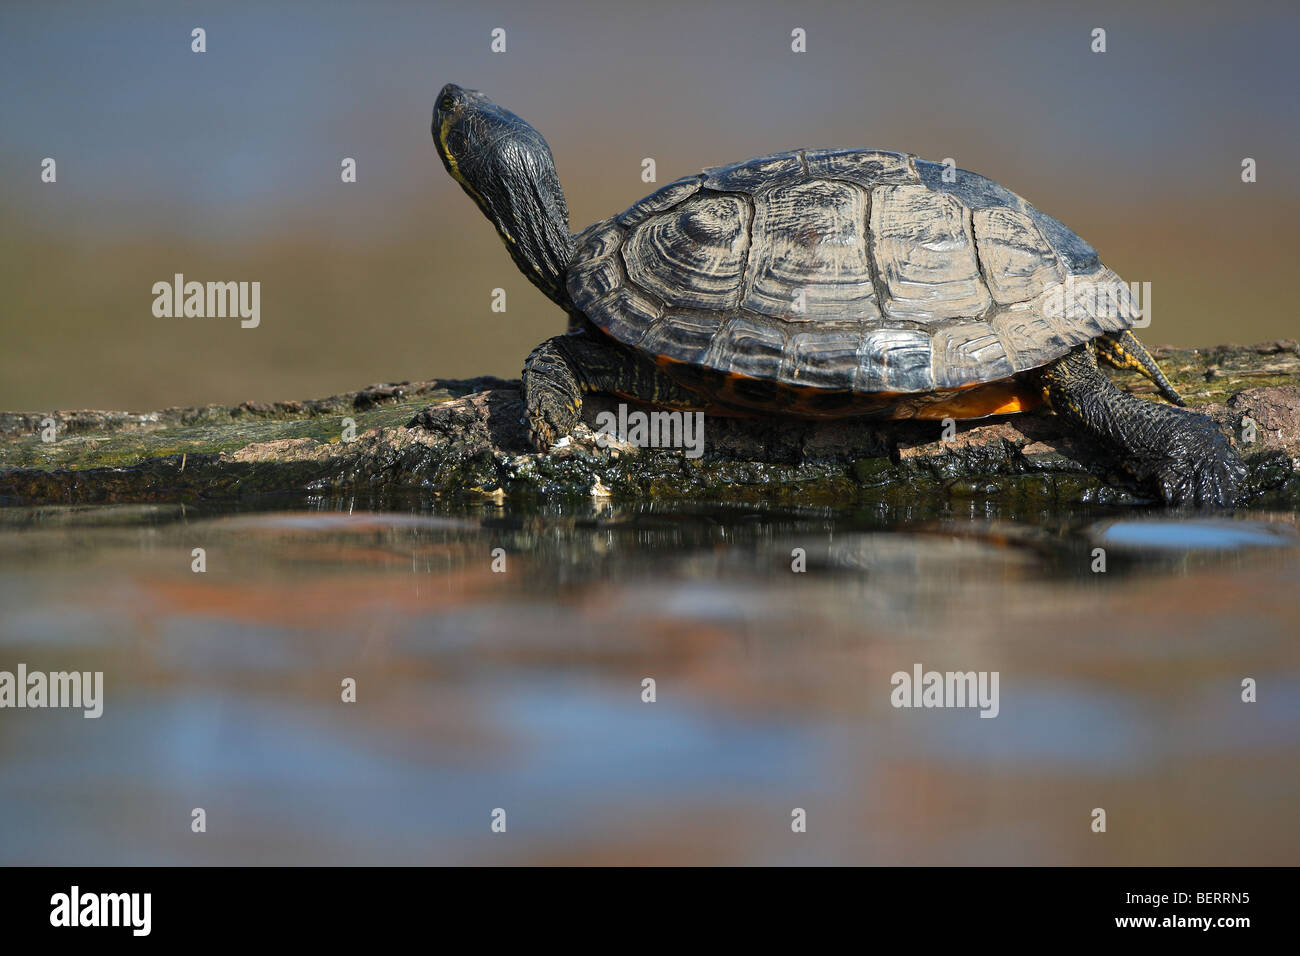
[819, 283]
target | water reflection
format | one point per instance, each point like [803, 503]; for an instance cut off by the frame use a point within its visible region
[523, 689]
[1187, 535]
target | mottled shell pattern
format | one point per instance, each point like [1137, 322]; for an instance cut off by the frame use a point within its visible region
[850, 269]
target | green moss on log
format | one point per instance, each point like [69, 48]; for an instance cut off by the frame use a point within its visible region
[464, 438]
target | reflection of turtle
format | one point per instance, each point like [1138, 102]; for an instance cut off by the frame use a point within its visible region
[825, 283]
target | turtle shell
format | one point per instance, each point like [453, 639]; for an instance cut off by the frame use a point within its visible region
[855, 269]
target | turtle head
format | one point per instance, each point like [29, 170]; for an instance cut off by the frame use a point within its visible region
[506, 167]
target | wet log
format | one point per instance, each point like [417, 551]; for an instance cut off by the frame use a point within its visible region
[463, 439]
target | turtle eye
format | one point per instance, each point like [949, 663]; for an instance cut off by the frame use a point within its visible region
[448, 103]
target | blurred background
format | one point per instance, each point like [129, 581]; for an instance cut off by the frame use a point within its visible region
[226, 165]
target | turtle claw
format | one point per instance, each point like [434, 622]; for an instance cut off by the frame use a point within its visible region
[539, 436]
[552, 394]
[542, 434]
[548, 415]
[1205, 472]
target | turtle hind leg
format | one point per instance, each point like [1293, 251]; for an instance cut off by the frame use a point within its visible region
[561, 370]
[1181, 453]
[1122, 350]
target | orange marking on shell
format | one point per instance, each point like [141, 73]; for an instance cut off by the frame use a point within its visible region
[998, 398]
[968, 401]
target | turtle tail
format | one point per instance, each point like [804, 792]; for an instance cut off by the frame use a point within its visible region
[1122, 350]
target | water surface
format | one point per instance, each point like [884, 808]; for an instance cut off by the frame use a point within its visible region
[522, 689]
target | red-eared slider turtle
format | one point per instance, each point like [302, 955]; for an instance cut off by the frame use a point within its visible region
[825, 282]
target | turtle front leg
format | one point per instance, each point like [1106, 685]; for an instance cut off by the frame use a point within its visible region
[1180, 453]
[559, 371]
